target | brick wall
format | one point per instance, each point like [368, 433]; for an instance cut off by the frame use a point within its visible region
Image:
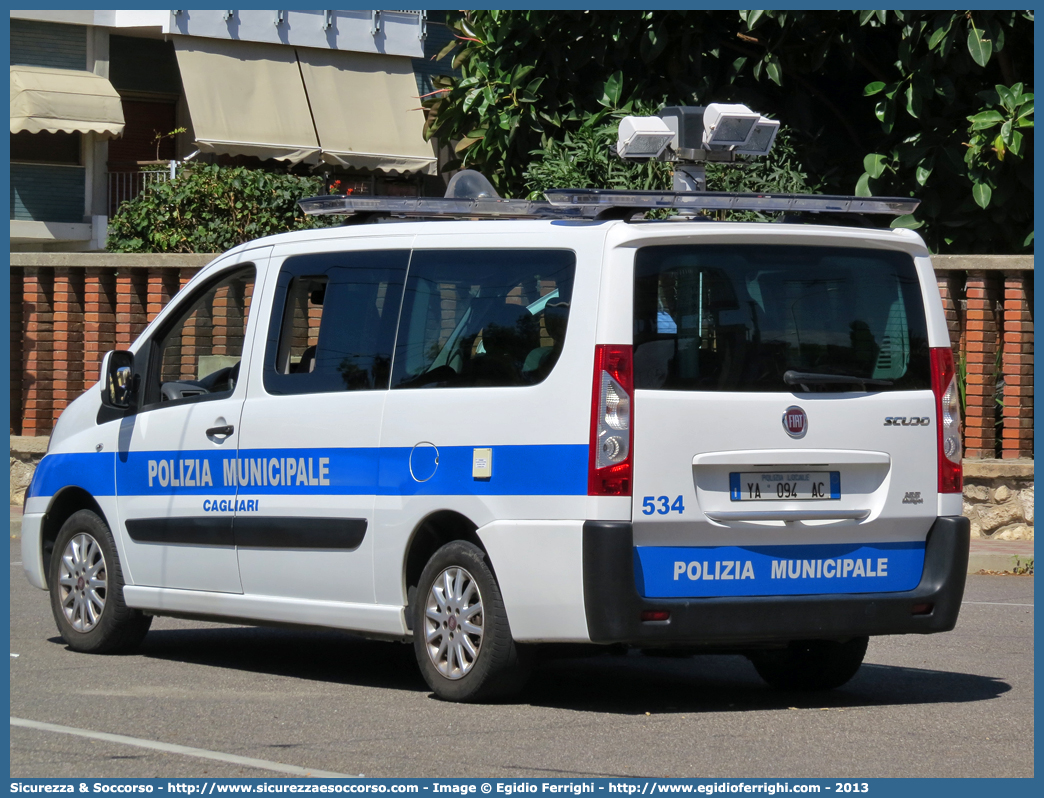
[1017, 364]
[988, 301]
[982, 294]
[68, 309]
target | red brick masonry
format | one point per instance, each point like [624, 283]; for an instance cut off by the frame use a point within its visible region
[68, 310]
[989, 311]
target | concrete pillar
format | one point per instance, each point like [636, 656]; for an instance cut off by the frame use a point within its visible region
[37, 350]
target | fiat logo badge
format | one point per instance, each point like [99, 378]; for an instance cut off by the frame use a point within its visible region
[795, 422]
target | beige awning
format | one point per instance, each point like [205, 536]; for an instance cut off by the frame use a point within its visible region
[366, 111]
[65, 101]
[246, 98]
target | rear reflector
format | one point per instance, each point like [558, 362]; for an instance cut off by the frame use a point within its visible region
[656, 615]
[948, 420]
[612, 435]
[922, 609]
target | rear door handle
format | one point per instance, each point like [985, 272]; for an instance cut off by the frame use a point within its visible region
[220, 432]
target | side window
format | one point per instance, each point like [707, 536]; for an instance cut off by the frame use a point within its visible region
[198, 354]
[333, 322]
[483, 317]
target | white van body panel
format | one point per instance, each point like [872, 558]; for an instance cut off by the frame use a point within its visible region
[172, 438]
[539, 418]
[546, 603]
[305, 427]
[381, 620]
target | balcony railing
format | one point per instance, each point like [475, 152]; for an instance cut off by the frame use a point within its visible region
[124, 186]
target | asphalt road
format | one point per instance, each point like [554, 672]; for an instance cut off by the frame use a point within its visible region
[954, 705]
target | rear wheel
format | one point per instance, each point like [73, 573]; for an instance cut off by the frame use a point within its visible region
[461, 635]
[811, 664]
[86, 586]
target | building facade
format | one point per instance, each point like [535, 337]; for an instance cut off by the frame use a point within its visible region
[103, 102]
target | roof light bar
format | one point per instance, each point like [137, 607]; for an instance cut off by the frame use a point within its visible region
[712, 200]
[589, 203]
[420, 207]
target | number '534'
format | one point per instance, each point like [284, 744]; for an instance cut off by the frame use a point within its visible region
[649, 505]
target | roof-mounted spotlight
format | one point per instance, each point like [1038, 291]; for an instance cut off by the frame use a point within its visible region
[686, 121]
[691, 136]
[727, 125]
[642, 137]
[761, 138]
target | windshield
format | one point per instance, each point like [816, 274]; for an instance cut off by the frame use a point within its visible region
[739, 318]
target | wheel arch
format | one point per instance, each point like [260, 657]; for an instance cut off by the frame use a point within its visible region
[432, 533]
[66, 502]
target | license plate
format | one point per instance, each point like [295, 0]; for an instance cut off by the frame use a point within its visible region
[747, 486]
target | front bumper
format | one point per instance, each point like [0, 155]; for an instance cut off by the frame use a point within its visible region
[614, 607]
[32, 551]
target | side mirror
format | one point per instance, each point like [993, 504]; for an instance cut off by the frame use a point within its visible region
[118, 386]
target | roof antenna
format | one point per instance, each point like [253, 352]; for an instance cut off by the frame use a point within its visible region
[469, 184]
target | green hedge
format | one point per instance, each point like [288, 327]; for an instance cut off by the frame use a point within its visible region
[209, 208]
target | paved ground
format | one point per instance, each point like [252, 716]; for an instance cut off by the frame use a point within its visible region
[998, 555]
[958, 704]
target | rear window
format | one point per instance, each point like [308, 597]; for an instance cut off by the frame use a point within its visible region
[778, 318]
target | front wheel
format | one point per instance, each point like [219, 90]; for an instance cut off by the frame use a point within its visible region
[811, 664]
[86, 586]
[460, 629]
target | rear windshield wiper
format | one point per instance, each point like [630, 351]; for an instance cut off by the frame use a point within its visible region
[806, 378]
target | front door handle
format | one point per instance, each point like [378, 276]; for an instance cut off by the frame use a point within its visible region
[221, 432]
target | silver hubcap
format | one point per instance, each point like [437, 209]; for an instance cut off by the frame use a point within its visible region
[82, 581]
[453, 623]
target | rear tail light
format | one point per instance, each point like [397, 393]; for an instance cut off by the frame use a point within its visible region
[612, 435]
[948, 415]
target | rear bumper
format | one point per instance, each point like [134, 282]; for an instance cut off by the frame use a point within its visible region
[614, 607]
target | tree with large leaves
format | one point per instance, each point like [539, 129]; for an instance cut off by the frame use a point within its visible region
[932, 104]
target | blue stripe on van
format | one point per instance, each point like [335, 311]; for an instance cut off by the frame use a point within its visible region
[698, 572]
[540, 470]
[547, 470]
[92, 471]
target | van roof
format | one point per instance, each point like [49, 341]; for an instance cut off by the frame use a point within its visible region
[622, 231]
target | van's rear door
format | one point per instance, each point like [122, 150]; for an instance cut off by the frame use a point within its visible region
[784, 421]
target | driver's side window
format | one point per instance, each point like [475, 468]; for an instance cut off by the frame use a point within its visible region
[198, 355]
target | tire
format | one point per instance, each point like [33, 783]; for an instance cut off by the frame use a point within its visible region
[84, 561]
[467, 654]
[811, 664]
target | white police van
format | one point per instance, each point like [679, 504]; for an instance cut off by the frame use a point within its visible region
[571, 427]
